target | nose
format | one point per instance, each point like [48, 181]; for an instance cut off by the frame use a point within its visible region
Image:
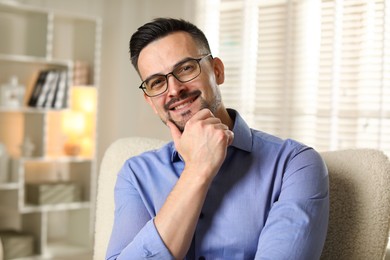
[175, 87]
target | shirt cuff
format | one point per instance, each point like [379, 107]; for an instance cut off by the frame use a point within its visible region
[150, 244]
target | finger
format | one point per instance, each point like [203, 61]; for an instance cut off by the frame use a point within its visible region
[175, 132]
[230, 136]
[203, 114]
[219, 125]
[213, 121]
[204, 117]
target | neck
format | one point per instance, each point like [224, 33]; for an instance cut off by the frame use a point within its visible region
[223, 114]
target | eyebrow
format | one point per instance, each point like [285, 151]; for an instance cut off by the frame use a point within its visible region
[173, 67]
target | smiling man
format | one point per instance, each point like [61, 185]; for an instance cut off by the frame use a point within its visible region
[219, 190]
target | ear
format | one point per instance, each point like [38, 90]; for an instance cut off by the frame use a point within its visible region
[219, 70]
[150, 102]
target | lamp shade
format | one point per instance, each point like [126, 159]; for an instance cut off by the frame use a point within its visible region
[84, 99]
[73, 123]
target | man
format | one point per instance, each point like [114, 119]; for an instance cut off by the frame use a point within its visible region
[220, 190]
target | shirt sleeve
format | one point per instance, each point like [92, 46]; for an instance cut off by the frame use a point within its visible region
[134, 235]
[297, 223]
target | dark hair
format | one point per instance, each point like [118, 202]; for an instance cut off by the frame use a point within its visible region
[159, 28]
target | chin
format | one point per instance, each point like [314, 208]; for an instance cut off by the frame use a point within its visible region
[185, 116]
[183, 121]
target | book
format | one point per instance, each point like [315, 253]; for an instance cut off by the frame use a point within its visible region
[50, 82]
[37, 89]
[50, 90]
[60, 95]
[48, 103]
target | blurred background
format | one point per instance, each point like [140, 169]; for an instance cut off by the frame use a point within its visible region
[317, 71]
[122, 110]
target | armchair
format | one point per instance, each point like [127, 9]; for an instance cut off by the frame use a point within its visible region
[359, 199]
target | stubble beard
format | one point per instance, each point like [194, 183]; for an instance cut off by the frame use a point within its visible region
[188, 114]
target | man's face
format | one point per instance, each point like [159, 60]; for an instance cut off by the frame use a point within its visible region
[182, 100]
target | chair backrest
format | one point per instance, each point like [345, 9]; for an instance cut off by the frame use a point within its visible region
[359, 198]
[113, 159]
[359, 204]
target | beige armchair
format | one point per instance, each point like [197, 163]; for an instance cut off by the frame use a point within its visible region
[359, 198]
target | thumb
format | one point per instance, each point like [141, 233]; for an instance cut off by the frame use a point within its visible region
[175, 132]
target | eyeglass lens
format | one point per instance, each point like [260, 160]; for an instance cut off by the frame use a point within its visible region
[184, 72]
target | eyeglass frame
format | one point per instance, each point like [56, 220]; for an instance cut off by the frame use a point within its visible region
[198, 60]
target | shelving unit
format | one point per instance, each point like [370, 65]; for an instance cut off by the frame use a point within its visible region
[36, 39]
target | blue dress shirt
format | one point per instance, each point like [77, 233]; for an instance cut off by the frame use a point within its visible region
[269, 200]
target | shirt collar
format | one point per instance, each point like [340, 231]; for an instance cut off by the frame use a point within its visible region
[242, 136]
[242, 132]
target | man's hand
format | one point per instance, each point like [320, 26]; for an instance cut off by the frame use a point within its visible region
[203, 143]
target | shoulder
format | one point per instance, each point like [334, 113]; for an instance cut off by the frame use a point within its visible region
[153, 156]
[272, 143]
[285, 150]
[148, 161]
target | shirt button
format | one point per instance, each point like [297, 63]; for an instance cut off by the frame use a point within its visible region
[202, 258]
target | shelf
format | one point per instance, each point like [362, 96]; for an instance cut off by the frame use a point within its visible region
[64, 249]
[43, 128]
[36, 39]
[55, 207]
[32, 59]
[31, 110]
[58, 159]
[9, 186]
[27, 69]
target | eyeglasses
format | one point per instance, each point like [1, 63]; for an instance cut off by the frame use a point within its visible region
[185, 71]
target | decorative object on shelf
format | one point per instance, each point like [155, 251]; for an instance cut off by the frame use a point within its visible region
[46, 66]
[50, 90]
[27, 147]
[16, 244]
[4, 162]
[78, 123]
[81, 73]
[52, 193]
[12, 93]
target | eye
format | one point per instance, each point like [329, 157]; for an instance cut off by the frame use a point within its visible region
[156, 82]
[186, 68]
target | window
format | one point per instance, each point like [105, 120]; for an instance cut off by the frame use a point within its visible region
[317, 71]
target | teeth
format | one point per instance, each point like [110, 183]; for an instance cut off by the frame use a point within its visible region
[182, 105]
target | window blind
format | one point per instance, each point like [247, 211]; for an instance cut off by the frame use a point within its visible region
[231, 49]
[313, 70]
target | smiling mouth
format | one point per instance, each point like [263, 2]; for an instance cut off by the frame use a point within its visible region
[183, 105]
[187, 98]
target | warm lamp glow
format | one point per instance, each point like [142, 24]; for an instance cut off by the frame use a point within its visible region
[78, 124]
[87, 145]
[84, 99]
[73, 123]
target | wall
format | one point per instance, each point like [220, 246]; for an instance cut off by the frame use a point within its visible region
[122, 109]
